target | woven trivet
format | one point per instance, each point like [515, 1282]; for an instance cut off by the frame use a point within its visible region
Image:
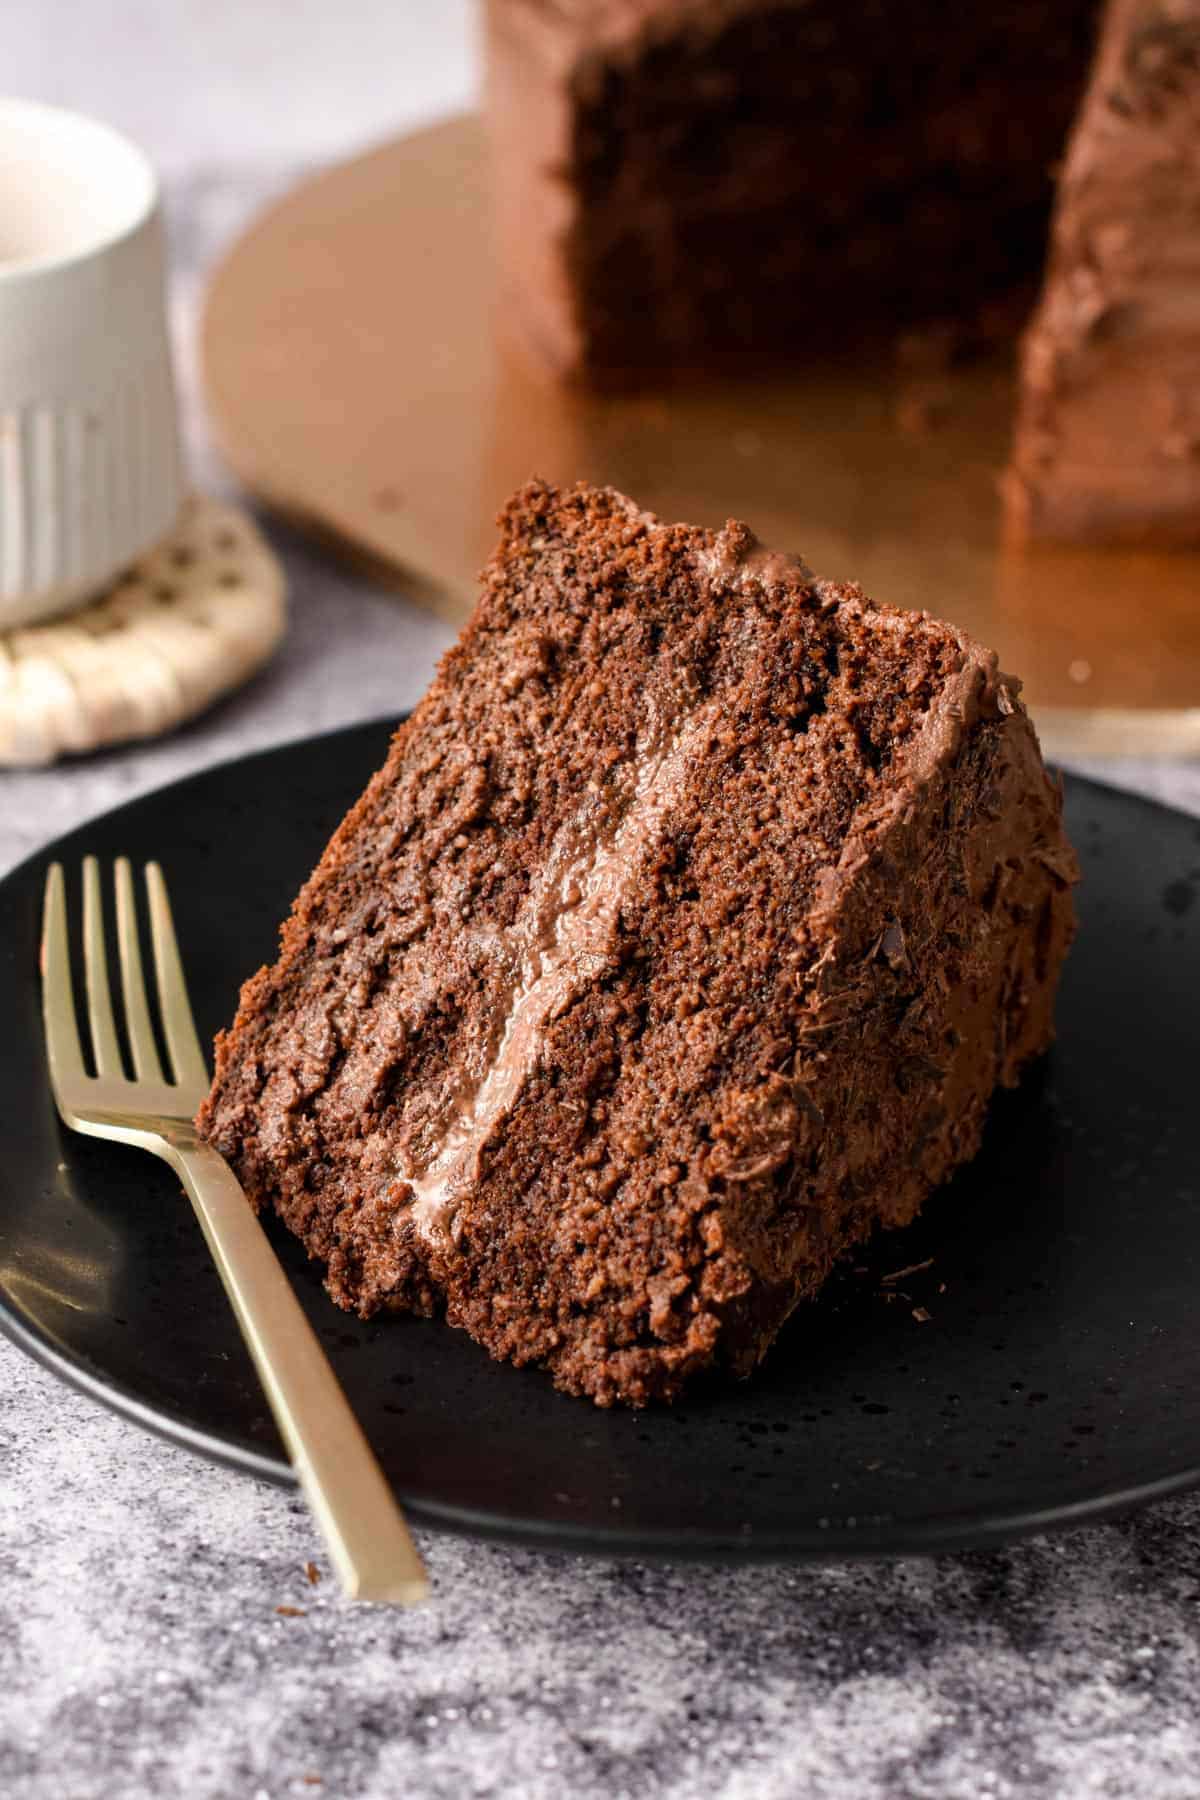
[190, 620]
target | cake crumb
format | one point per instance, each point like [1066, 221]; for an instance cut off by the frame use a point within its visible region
[313, 1573]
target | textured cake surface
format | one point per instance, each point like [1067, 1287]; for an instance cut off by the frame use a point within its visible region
[1108, 434]
[687, 183]
[694, 917]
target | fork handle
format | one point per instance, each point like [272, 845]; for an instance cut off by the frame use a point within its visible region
[362, 1524]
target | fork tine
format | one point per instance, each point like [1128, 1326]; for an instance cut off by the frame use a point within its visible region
[58, 1003]
[95, 969]
[133, 983]
[179, 1028]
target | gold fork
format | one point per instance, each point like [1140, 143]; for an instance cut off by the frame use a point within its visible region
[364, 1528]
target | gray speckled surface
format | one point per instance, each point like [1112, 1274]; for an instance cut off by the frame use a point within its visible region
[142, 1652]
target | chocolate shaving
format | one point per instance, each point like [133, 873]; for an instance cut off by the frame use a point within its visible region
[912, 1269]
[892, 946]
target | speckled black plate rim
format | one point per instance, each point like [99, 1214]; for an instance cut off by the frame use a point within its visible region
[875, 1539]
[870, 1538]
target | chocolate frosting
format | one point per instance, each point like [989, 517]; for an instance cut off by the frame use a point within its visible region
[1108, 436]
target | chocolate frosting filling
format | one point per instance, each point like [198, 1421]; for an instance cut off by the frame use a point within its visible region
[560, 942]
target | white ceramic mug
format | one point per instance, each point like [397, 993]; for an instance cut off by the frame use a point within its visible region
[90, 470]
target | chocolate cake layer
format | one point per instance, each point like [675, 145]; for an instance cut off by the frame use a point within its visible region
[683, 937]
[682, 184]
[1107, 445]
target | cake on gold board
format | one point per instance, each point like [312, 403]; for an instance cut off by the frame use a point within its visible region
[692, 186]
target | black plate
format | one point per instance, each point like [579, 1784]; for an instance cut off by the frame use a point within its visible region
[1057, 1376]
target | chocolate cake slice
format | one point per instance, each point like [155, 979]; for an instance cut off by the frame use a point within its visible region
[1107, 444]
[681, 940]
[690, 184]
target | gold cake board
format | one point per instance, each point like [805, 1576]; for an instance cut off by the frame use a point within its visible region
[357, 383]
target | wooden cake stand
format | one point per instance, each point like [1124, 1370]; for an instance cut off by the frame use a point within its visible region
[357, 382]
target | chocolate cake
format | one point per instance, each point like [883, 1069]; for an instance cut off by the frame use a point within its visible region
[1108, 434]
[683, 184]
[689, 186]
[679, 943]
